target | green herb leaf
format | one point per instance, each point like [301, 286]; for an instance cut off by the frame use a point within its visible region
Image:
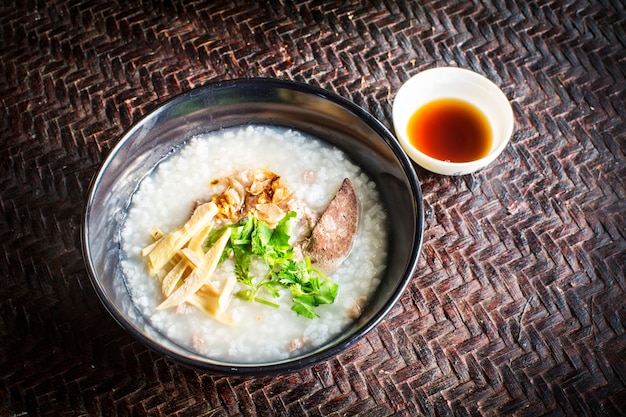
[252, 238]
[304, 309]
[281, 236]
[261, 236]
[327, 293]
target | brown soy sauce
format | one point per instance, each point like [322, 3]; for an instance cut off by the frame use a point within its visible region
[450, 129]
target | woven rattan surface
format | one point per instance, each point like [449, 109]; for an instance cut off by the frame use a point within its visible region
[517, 306]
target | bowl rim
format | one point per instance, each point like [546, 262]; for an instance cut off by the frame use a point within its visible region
[324, 352]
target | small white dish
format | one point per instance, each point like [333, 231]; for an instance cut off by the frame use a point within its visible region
[461, 84]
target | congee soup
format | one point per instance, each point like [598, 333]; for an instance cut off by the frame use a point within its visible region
[253, 244]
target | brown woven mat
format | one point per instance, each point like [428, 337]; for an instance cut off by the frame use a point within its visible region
[518, 303]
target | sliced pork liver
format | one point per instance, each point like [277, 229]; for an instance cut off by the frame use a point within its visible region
[333, 234]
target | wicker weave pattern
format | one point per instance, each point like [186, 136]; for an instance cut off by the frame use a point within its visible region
[518, 304]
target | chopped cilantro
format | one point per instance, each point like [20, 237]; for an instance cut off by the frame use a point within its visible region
[252, 238]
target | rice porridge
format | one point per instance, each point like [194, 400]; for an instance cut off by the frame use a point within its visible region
[256, 333]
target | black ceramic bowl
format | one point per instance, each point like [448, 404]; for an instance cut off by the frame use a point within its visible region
[309, 109]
